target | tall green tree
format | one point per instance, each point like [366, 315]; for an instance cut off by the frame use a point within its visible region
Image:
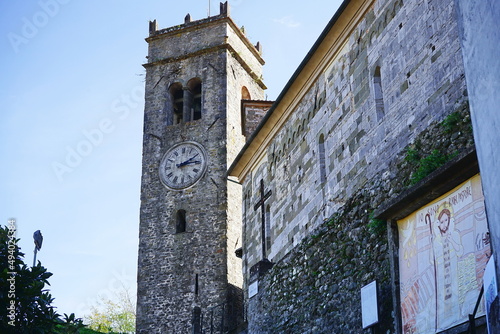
[26, 304]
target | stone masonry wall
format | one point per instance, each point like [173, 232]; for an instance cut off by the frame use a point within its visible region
[254, 111]
[422, 81]
[169, 262]
[323, 243]
[316, 287]
[237, 77]
[179, 273]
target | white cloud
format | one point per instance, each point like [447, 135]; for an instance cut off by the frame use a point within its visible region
[288, 21]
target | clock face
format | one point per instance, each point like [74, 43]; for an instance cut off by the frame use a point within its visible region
[183, 165]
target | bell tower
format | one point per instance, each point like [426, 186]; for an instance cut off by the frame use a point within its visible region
[197, 74]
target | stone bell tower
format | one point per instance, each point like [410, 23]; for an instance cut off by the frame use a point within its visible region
[197, 74]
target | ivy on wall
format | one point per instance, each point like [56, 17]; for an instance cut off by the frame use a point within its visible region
[438, 145]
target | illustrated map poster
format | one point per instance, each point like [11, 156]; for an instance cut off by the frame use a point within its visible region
[443, 250]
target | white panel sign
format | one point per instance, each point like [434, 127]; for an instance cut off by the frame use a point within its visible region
[253, 289]
[369, 308]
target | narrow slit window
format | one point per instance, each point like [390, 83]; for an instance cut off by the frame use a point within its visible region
[379, 96]
[245, 96]
[322, 163]
[177, 95]
[180, 225]
[268, 228]
[192, 96]
[197, 102]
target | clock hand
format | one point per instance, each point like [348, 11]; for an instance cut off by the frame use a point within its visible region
[187, 161]
[193, 162]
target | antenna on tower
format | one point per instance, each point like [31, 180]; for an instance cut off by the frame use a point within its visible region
[209, 8]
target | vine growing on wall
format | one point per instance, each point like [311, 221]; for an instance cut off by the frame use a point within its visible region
[424, 165]
[377, 226]
[451, 122]
[438, 146]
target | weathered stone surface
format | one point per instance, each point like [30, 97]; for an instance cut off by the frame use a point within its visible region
[197, 270]
[324, 243]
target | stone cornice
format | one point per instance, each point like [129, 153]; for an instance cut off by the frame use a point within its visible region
[225, 46]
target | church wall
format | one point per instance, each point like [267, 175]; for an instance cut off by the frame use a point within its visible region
[315, 288]
[340, 106]
[320, 240]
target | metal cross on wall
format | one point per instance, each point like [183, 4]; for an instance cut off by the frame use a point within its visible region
[260, 204]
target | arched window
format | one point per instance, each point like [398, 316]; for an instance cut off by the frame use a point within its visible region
[322, 162]
[245, 94]
[379, 96]
[185, 102]
[268, 228]
[180, 221]
[177, 96]
[194, 100]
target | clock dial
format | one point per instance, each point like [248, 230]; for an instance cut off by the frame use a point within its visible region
[183, 165]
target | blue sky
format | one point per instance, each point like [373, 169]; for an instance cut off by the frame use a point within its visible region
[71, 91]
